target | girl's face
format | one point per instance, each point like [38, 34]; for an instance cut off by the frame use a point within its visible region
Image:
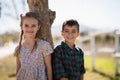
[30, 27]
[70, 33]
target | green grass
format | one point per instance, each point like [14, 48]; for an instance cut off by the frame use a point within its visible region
[7, 68]
[104, 69]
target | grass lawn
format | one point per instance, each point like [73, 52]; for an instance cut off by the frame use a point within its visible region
[7, 68]
[104, 69]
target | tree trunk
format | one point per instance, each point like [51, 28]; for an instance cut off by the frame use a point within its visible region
[47, 18]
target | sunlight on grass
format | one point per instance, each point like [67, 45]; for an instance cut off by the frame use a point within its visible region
[104, 69]
[7, 68]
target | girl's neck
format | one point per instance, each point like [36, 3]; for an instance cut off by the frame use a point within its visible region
[29, 43]
[30, 40]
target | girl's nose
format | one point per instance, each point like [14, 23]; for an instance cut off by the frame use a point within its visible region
[30, 27]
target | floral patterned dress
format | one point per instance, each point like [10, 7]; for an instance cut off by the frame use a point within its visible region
[32, 65]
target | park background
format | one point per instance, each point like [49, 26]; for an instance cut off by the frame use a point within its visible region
[96, 17]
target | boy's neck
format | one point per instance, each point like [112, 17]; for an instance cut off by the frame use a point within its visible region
[70, 44]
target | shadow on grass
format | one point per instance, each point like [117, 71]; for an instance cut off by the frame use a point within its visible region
[117, 77]
[12, 75]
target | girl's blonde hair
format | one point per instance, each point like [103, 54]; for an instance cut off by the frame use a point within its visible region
[34, 15]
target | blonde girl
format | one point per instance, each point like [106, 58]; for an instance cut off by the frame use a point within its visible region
[33, 55]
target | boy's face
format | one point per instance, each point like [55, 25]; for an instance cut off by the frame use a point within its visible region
[70, 33]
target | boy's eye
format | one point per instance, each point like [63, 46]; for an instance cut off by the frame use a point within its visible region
[74, 31]
[70, 31]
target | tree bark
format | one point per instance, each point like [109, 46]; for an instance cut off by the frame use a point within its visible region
[47, 18]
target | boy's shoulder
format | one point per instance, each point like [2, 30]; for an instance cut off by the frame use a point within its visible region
[80, 50]
[58, 47]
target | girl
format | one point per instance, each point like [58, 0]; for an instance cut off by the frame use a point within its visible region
[32, 54]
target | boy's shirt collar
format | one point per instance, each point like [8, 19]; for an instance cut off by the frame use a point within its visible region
[65, 46]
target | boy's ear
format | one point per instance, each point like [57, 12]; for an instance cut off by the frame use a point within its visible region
[78, 33]
[62, 33]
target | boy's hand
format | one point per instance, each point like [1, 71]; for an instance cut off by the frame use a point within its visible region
[63, 78]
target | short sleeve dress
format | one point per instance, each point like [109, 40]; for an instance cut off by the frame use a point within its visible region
[32, 65]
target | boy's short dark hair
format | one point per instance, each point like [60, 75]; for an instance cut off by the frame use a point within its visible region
[70, 22]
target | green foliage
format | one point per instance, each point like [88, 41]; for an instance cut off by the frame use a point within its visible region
[6, 37]
[105, 39]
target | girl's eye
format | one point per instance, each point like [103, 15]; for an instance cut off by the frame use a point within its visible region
[66, 31]
[33, 25]
[26, 25]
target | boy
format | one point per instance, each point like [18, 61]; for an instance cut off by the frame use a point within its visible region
[67, 60]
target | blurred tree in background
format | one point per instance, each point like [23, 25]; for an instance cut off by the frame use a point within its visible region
[47, 18]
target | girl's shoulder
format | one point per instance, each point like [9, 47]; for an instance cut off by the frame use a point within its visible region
[45, 47]
[42, 42]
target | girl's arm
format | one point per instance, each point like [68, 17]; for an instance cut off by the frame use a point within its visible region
[48, 66]
[18, 64]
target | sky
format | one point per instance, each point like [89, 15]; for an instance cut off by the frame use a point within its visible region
[99, 14]
[94, 13]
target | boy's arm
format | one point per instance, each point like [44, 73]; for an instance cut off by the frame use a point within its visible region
[48, 66]
[58, 67]
[82, 71]
[82, 77]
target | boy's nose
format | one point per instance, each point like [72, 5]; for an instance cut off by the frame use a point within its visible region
[70, 34]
